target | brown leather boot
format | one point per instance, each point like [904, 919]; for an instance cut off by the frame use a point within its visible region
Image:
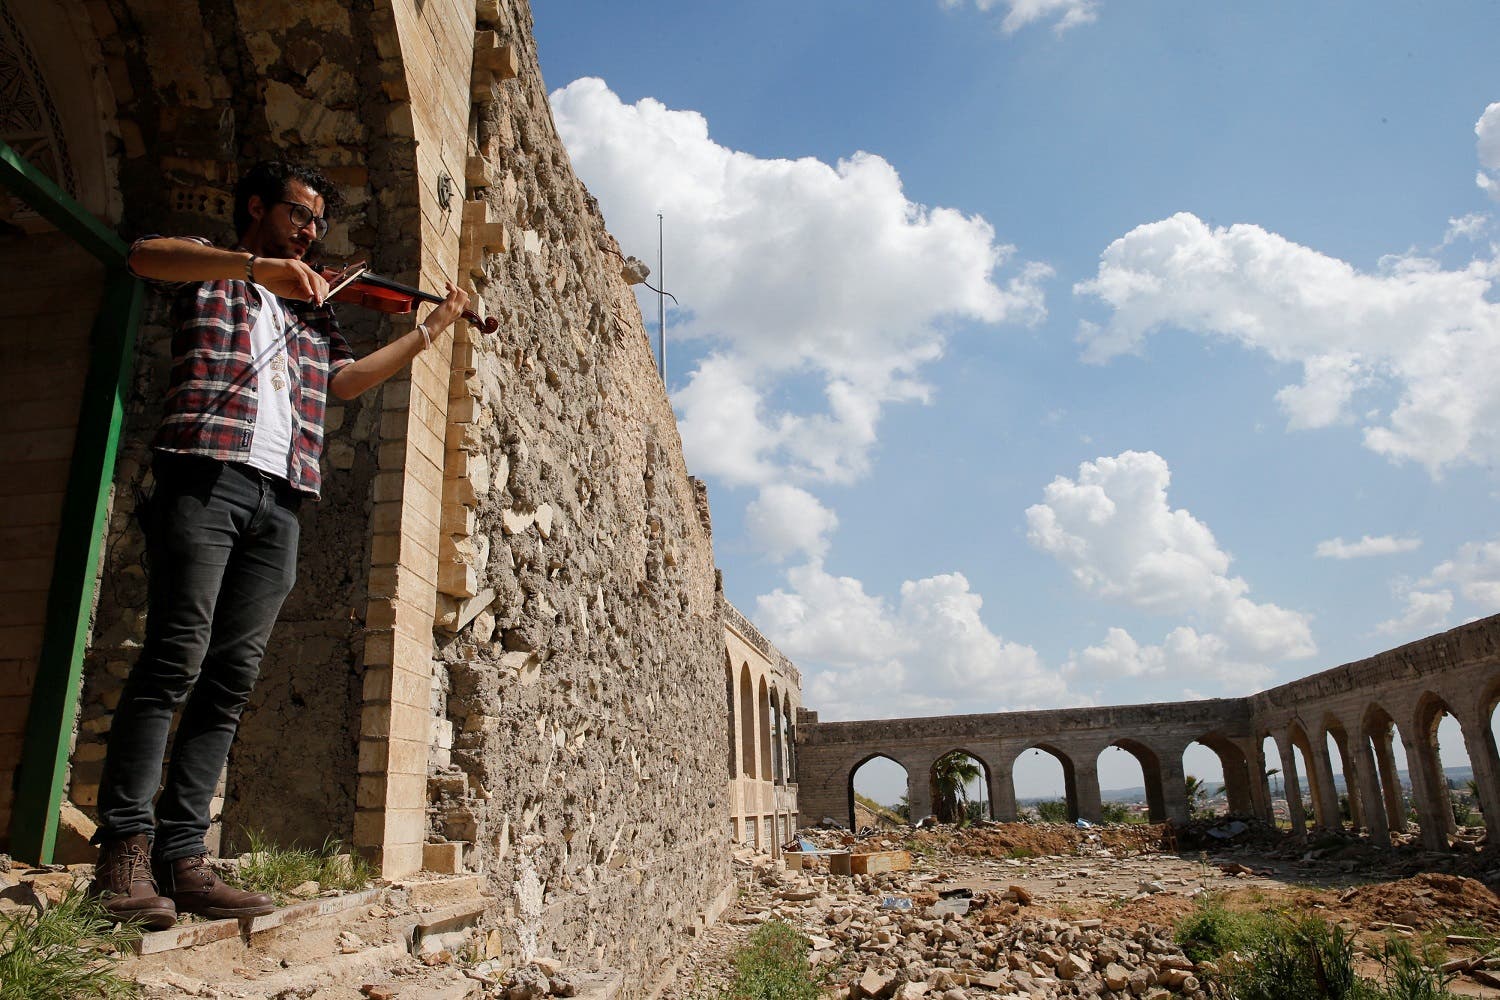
[123, 884]
[195, 888]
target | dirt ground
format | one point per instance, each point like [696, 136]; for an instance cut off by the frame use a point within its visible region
[1149, 876]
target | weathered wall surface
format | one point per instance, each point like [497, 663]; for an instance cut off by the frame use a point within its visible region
[586, 698]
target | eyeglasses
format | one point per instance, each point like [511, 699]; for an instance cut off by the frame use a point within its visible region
[302, 215]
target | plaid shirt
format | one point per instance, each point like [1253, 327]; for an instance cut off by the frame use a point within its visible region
[211, 397]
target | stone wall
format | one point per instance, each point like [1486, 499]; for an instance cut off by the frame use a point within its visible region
[509, 556]
[585, 696]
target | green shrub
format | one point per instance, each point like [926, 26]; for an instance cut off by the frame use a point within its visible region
[1409, 976]
[1281, 957]
[1055, 811]
[1212, 930]
[63, 951]
[773, 966]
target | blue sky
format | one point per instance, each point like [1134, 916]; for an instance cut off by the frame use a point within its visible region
[1034, 350]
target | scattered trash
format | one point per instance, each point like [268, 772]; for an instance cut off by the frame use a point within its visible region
[958, 905]
[1229, 830]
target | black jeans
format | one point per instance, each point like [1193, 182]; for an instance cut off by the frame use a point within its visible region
[221, 541]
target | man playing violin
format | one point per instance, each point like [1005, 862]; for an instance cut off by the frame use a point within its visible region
[255, 352]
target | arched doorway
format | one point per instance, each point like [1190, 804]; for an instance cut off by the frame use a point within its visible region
[878, 793]
[959, 782]
[1126, 804]
[1046, 787]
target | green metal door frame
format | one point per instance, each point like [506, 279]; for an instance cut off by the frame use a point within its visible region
[70, 600]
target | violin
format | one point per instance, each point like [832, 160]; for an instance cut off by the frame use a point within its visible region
[357, 285]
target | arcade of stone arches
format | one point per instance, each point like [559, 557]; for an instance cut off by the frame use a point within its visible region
[1329, 744]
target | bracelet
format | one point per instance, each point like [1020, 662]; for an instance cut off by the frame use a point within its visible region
[250, 269]
[426, 337]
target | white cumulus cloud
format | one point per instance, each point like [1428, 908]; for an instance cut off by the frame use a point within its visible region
[1116, 532]
[1429, 603]
[1184, 653]
[1423, 342]
[786, 521]
[1063, 14]
[1475, 571]
[1487, 129]
[928, 653]
[1384, 545]
[1426, 611]
[798, 273]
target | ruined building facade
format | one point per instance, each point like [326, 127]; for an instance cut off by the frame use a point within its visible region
[505, 643]
[763, 696]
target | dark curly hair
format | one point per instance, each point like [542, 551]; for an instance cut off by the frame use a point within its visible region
[269, 179]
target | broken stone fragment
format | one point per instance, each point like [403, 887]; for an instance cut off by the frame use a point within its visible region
[877, 984]
[514, 521]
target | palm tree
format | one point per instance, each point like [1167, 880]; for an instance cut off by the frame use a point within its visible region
[1196, 791]
[951, 776]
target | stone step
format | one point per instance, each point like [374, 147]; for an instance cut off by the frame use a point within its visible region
[196, 933]
[321, 945]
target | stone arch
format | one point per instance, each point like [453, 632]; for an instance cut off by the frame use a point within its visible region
[1483, 755]
[778, 759]
[1273, 778]
[854, 772]
[1236, 770]
[1434, 800]
[1070, 774]
[60, 115]
[1385, 808]
[734, 768]
[789, 737]
[1319, 776]
[986, 779]
[1336, 735]
[747, 723]
[763, 729]
[1151, 777]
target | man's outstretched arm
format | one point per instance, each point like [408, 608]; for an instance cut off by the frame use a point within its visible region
[167, 258]
[377, 366]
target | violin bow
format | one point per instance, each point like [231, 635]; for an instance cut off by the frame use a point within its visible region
[351, 272]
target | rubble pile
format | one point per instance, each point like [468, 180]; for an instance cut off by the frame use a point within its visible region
[905, 936]
[983, 913]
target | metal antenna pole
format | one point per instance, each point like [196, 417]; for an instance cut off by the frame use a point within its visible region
[661, 303]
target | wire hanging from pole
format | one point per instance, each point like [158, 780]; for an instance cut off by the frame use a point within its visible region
[661, 302]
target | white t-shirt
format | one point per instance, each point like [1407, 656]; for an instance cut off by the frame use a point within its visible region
[271, 439]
